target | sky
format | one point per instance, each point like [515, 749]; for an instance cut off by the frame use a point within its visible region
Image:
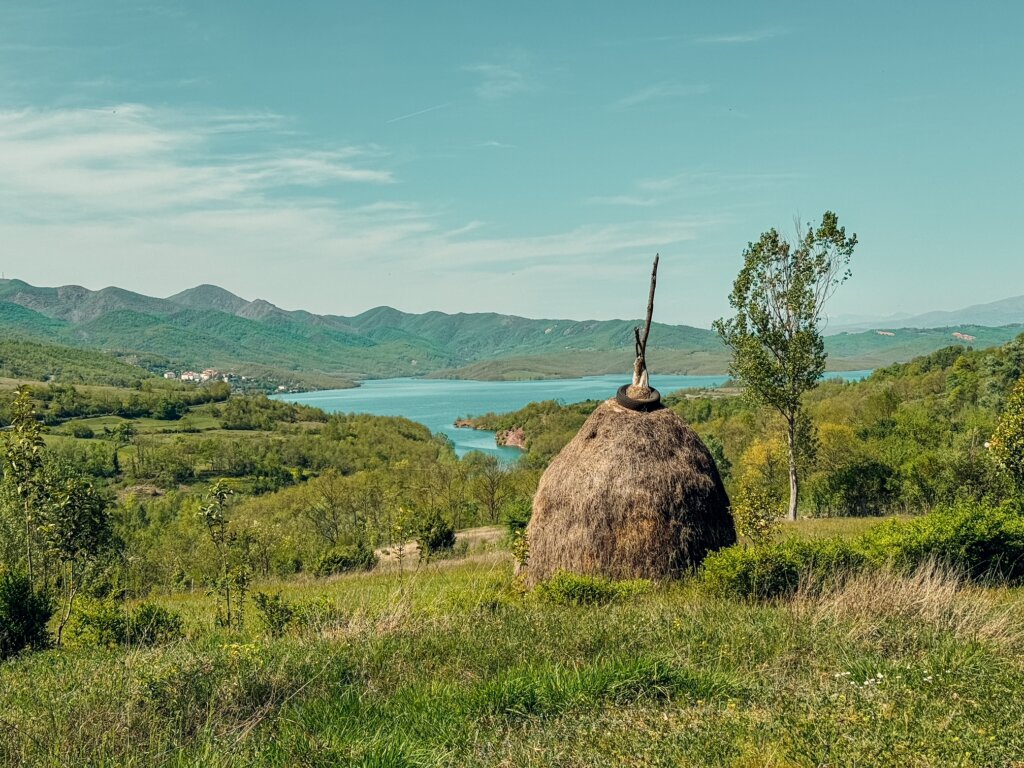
[527, 158]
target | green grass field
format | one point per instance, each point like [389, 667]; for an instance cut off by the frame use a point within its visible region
[452, 664]
[191, 422]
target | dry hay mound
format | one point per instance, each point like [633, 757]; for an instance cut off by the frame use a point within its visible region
[633, 495]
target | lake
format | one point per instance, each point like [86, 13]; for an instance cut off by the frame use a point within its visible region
[437, 403]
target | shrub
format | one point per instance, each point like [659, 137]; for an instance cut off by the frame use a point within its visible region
[456, 552]
[864, 487]
[277, 614]
[23, 615]
[977, 540]
[980, 540]
[756, 513]
[97, 623]
[435, 534]
[151, 624]
[106, 624]
[83, 431]
[517, 517]
[318, 614]
[1007, 444]
[777, 570]
[575, 589]
[354, 557]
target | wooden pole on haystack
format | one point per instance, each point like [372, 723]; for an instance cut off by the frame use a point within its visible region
[641, 387]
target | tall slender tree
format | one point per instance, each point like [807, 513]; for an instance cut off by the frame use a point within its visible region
[776, 334]
[23, 465]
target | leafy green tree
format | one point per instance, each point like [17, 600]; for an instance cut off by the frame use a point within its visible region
[23, 464]
[489, 484]
[775, 336]
[1007, 443]
[232, 580]
[74, 527]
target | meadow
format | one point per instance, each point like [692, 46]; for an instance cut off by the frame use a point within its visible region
[451, 663]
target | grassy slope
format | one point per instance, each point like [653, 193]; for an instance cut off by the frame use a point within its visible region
[450, 665]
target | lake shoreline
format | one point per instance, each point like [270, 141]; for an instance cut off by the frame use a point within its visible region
[439, 403]
[432, 376]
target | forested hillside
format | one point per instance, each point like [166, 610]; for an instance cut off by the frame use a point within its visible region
[208, 326]
[304, 486]
[49, 362]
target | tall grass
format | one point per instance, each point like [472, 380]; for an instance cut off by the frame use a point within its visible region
[455, 665]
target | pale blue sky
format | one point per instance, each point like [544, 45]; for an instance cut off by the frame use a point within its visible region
[519, 157]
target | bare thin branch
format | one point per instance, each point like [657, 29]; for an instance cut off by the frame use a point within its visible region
[650, 306]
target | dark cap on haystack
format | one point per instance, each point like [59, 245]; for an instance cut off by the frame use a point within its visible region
[635, 494]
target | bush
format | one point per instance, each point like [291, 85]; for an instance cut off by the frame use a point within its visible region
[777, 570]
[983, 542]
[864, 487]
[1007, 444]
[435, 534]
[517, 517]
[106, 624]
[318, 614]
[354, 557]
[756, 513]
[24, 614]
[151, 624]
[575, 589]
[82, 431]
[277, 614]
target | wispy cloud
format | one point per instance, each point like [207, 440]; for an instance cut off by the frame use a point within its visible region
[659, 92]
[417, 113]
[689, 185]
[492, 144]
[130, 158]
[502, 78]
[88, 195]
[728, 38]
[740, 38]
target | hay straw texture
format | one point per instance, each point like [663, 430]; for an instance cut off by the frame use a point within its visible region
[633, 495]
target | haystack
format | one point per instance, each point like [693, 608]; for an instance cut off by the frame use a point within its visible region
[635, 494]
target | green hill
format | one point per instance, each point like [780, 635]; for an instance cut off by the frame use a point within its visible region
[873, 349]
[48, 362]
[208, 326]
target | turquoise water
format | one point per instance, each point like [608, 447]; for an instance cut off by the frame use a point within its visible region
[437, 403]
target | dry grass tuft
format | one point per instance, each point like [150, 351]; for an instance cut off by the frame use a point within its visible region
[932, 595]
[633, 495]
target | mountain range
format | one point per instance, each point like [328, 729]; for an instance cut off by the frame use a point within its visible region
[210, 327]
[993, 314]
